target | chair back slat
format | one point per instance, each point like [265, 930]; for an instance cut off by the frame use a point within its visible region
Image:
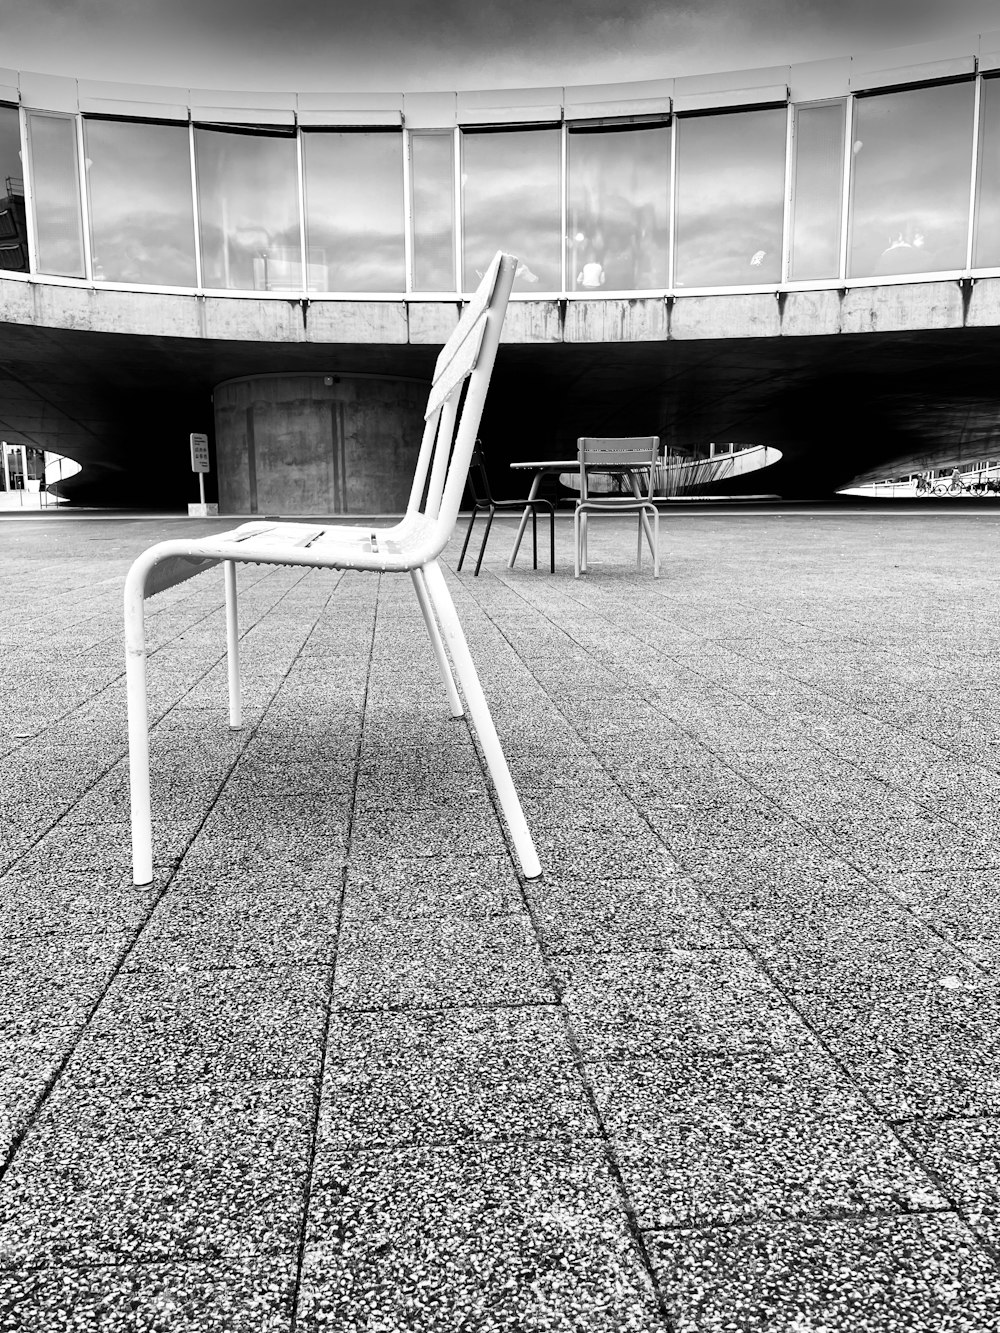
[457, 398]
[477, 304]
[631, 451]
[459, 367]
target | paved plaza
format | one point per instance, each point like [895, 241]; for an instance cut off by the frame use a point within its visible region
[731, 1064]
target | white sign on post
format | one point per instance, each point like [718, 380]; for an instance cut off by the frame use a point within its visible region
[199, 453]
[200, 464]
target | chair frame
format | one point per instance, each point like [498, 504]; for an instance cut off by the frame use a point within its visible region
[411, 546]
[628, 457]
[482, 499]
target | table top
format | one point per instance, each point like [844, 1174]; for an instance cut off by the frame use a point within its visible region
[550, 465]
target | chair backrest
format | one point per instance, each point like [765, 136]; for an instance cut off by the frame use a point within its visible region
[455, 406]
[479, 481]
[626, 454]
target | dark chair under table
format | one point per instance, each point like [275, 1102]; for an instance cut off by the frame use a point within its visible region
[482, 498]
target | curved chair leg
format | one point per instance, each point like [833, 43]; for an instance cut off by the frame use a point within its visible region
[233, 648]
[138, 724]
[486, 537]
[482, 722]
[454, 702]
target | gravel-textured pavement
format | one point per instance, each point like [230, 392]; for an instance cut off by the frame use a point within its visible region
[731, 1066]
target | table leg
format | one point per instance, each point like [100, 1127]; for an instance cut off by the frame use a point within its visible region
[536, 482]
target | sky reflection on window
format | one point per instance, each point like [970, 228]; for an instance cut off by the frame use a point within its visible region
[617, 222]
[249, 197]
[13, 223]
[817, 192]
[912, 156]
[986, 246]
[432, 184]
[55, 187]
[511, 201]
[141, 219]
[730, 188]
[354, 210]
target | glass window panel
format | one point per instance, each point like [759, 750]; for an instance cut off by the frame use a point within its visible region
[912, 158]
[248, 200]
[432, 183]
[511, 201]
[817, 192]
[986, 246]
[141, 216]
[354, 210]
[13, 229]
[730, 198]
[617, 225]
[55, 194]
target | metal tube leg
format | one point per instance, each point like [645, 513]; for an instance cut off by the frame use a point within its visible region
[479, 715]
[536, 482]
[576, 544]
[534, 537]
[454, 702]
[138, 728]
[233, 648]
[486, 537]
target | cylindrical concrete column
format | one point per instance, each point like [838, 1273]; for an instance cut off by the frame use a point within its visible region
[317, 444]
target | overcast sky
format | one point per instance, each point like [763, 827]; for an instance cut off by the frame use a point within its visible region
[421, 45]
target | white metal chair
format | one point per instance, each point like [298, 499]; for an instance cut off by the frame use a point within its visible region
[632, 460]
[411, 546]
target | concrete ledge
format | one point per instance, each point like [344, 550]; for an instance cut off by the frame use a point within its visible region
[642, 319]
[742, 315]
[432, 321]
[356, 322]
[533, 322]
[809, 314]
[918, 305]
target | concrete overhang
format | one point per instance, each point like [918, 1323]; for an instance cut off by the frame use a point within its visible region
[842, 381]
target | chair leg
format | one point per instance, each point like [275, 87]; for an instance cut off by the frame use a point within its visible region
[233, 648]
[534, 537]
[454, 702]
[468, 534]
[656, 543]
[482, 722]
[486, 537]
[576, 543]
[552, 540]
[138, 724]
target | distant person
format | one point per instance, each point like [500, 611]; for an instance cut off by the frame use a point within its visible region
[591, 276]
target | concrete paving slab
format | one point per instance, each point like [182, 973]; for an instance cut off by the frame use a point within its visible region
[121, 1298]
[923, 1052]
[510, 1236]
[112, 1175]
[420, 1077]
[433, 961]
[637, 1005]
[160, 1028]
[702, 1139]
[267, 920]
[625, 915]
[440, 886]
[852, 1275]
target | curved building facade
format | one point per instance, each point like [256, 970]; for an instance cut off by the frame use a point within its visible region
[694, 252]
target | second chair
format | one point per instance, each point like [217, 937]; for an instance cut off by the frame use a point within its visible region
[482, 498]
[632, 460]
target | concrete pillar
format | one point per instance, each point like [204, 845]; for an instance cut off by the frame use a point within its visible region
[317, 444]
